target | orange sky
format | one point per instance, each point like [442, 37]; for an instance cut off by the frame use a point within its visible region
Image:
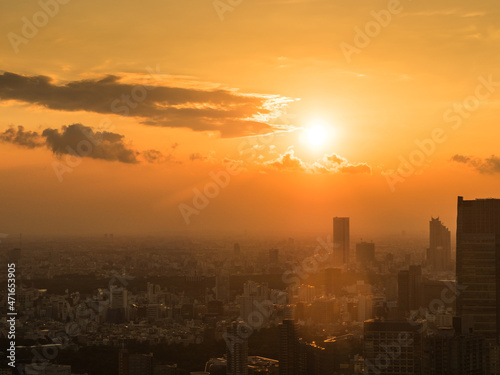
[315, 102]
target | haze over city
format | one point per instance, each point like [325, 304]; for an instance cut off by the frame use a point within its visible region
[236, 187]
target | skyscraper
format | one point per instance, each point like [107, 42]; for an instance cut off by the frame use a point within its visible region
[365, 253]
[237, 348]
[288, 348]
[393, 347]
[439, 251]
[410, 289]
[478, 264]
[341, 240]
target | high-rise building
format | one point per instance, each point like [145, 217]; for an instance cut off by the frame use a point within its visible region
[289, 354]
[237, 348]
[365, 253]
[341, 240]
[410, 289]
[439, 251]
[393, 347]
[333, 281]
[478, 264]
[455, 351]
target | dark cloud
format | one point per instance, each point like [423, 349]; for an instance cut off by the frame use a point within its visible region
[83, 141]
[21, 137]
[231, 113]
[487, 165]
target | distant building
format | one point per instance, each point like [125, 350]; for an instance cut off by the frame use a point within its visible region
[393, 347]
[439, 251]
[333, 281]
[365, 253]
[410, 289]
[341, 240]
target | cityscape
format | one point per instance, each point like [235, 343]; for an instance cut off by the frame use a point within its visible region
[236, 187]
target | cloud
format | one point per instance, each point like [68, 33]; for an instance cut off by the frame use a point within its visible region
[288, 162]
[21, 137]
[196, 156]
[229, 112]
[489, 165]
[329, 163]
[80, 140]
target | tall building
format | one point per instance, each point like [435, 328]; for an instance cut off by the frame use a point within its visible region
[478, 264]
[333, 281]
[393, 347]
[439, 251]
[455, 351]
[365, 253]
[289, 353]
[410, 289]
[341, 240]
[237, 349]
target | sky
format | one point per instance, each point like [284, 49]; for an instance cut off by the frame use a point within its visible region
[238, 116]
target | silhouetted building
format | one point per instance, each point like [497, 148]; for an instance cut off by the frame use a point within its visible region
[365, 253]
[333, 281]
[439, 251]
[478, 266]
[237, 348]
[393, 347]
[289, 353]
[410, 289]
[341, 240]
[455, 351]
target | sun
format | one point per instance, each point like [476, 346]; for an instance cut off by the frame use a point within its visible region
[316, 133]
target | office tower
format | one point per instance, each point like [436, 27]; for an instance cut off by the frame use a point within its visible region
[439, 251]
[455, 351]
[313, 359]
[333, 281]
[289, 353]
[237, 348]
[273, 256]
[478, 265]
[118, 298]
[365, 253]
[393, 347]
[341, 240]
[410, 289]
